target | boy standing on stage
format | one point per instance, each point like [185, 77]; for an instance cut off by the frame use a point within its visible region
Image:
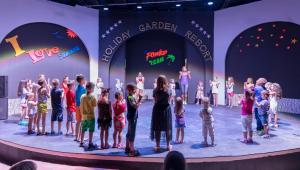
[88, 103]
[80, 90]
[132, 116]
[57, 106]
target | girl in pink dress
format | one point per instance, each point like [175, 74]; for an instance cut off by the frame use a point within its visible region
[119, 108]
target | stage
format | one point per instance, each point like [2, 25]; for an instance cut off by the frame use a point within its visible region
[227, 132]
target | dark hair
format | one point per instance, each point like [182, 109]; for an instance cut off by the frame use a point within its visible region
[105, 91]
[70, 83]
[174, 161]
[89, 85]
[79, 77]
[30, 165]
[131, 87]
[118, 94]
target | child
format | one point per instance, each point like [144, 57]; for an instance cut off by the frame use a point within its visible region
[104, 118]
[87, 105]
[275, 92]
[98, 87]
[31, 105]
[263, 108]
[57, 95]
[119, 118]
[43, 95]
[179, 121]
[132, 116]
[215, 90]
[22, 93]
[119, 85]
[230, 92]
[200, 92]
[155, 84]
[80, 90]
[172, 86]
[71, 107]
[246, 116]
[207, 122]
[248, 85]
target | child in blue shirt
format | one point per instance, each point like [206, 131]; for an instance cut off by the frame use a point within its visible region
[263, 108]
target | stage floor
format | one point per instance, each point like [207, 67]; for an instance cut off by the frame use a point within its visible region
[227, 132]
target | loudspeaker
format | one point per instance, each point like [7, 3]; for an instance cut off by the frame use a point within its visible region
[3, 86]
[3, 108]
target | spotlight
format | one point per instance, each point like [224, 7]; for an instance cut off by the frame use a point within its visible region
[210, 3]
[105, 9]
[178, 5]
[139, 7]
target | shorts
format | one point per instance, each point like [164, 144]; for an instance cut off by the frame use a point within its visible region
[131, 129]
[78, 114]
[264, 119]
[70, 116]
[57, 116]
[32, 111]
[230, 94]
[246, 123]
[42, 107]
[184, 88]
[88, 125]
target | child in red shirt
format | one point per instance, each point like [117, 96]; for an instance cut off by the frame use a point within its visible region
[119, 108]
[71, 108]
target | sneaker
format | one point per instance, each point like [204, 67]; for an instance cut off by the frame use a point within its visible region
[127, 150]
[266, 136]
[81, 145]
[92, 146]
[52, 133]
[276, 126]
[260, 133]
[250, 141]
[60, 133]
[30, 132]
[244, 141]
[204, 144]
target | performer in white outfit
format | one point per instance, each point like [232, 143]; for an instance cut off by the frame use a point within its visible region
[200, 92]
[275, 96]
[215, 90]
[119, 85]
[140, 80]
[98, 87]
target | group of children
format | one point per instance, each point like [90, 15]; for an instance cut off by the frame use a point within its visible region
[262, 100]
[80, 103]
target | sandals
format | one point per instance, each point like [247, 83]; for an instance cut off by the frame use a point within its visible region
[134, 153]
[157, 149]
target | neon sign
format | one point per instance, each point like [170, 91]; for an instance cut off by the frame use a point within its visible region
[160, 56]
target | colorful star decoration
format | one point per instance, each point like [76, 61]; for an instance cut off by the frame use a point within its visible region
[294, 41]
[268, 36]
[71, 34]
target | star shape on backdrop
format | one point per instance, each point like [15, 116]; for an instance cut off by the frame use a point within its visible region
[278, 35]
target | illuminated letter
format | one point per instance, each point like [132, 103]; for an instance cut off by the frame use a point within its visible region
[13, 41]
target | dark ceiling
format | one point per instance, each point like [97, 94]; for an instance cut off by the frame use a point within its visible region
[156, 5]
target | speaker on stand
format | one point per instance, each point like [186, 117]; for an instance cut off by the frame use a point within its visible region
[3, 97]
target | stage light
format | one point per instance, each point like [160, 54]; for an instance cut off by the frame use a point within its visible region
[139, 7]
[178, 5]
[105, 9]
[210, 3]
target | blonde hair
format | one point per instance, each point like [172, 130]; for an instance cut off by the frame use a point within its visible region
[178, 109]
[250, 80]
[162, 83]
[55, 82]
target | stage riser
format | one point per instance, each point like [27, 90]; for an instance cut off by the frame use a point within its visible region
[283, 160]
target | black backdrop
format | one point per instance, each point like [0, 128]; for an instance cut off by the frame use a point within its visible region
[153, 41]
[269, 50]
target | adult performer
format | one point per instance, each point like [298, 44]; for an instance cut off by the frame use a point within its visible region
[140, 80]
[184, 77]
